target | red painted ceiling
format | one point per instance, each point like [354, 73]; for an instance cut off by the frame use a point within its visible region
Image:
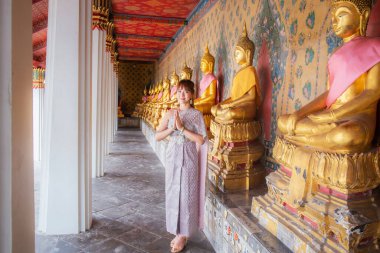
[143, 28]
[149, 25]
[39, 37]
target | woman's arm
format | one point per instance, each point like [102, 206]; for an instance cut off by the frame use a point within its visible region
[197, 138]
[163, 131]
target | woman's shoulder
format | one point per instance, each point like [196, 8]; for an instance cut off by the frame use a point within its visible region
[196, 112]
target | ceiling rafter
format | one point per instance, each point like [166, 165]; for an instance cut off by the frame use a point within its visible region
[39, 46]
[138, 36]
[43, 24]
[134, 49]
[152, 19]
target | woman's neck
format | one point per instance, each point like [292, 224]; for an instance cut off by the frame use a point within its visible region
[184, 106]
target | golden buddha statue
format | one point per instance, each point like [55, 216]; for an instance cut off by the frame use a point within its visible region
[162, 104]
[245, 91]
[208, 95]
[329, 162]
[174, 80]
[139, 106]
[235, 151]
[186, 73]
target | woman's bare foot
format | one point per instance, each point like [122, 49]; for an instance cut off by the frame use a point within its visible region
[179, 244]
[173, 241]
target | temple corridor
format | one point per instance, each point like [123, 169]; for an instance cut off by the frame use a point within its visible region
[128, 205]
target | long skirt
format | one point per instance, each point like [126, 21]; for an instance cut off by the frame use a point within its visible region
[182, 189]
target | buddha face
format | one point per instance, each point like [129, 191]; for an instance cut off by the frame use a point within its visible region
[345, 20]
[184, 75]
[174, 81]
[240, 57]
[206, 67]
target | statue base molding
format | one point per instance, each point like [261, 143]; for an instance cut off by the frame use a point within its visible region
[321, 201]
[236, 166]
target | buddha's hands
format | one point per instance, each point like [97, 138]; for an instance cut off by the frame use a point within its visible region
[225, 106]
[178, 123]
[291, 123]
[326, 116]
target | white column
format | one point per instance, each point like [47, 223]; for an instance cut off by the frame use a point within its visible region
[106, 103]
[115, 113]
[16, 127]
[65, 206]
[98, 42]
[38, 103]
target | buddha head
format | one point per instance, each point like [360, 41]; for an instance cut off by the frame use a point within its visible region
[245, 49]
[350, 17]
[174, 79]
[207, 62]
[166, 82]
[186, 73]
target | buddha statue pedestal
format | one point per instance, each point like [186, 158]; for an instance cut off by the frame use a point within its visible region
[322, 202]
[235, 165]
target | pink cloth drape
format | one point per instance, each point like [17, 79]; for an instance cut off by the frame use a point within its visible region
[349, 62]
[173, 91]
[205, 82]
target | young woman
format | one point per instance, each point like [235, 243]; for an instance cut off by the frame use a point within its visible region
[185, 129]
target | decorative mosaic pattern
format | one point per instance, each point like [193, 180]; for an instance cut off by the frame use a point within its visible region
[133, 77]
[298, 38]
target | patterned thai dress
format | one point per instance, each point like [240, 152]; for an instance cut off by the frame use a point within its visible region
[183, 177]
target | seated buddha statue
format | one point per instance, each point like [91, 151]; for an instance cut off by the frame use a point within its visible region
[343, 119]
[245, 91]
[174, 80]
[162, 103]
[165, 90]
[234, 151]
[328, 173]
[208, 95]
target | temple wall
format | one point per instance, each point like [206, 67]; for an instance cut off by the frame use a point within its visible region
[293, 42]
[133, 77]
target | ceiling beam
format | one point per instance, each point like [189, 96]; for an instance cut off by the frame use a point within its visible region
[40, 26]
[124, 49]
[137, 36]
[39, 58]
[137, 59]
[143, 18]
[39, 46]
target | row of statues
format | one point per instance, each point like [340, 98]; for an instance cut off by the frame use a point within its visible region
[325, 194]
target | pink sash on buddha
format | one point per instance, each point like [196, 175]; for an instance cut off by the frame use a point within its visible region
[205, 82]
[173, 91]
[349, 62]
[159, 95]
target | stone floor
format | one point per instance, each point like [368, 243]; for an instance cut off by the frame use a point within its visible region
[128, 206]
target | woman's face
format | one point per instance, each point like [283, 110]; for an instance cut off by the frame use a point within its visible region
[184, 95]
